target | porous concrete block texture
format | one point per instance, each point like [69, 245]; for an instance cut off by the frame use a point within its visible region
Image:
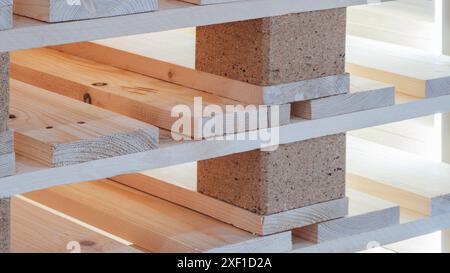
[4, 91]
[275, 50]
[293, 176]
[5, 225]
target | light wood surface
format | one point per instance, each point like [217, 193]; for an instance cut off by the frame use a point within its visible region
[171, 14]
[177, 184]
[152, 223]
[6, 14]
[58, 131]
[364, 95]
[406, 179]
[174, 62]
[412, 71]
[366, 213]
[131, 94]
[63, 10]
[39, 229]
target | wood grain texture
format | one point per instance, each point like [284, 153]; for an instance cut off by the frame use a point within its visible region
[58, 131]
[411, 71]
[63, 10]
[177, 184]
[131, 94]
[364, 95]
[174, 62]
[6, 21]
[406, 179]
[152, 223]
[29, 33]
[39, 229]
[366, 213]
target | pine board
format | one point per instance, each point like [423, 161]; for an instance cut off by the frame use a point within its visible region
[152, 223]
[411, 71]
[128, 93]
[406, 179]
[177, 184]
[364, 95]
[70, 10]
[58, 131]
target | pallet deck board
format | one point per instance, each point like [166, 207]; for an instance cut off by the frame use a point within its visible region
[406, 179]
[144, 54]
[366, 213]
[29, 33]
[58, 131]
[364, 95]
[62, 10]
[39, 229]
[177, 184]
[412, 71]
[152, 223]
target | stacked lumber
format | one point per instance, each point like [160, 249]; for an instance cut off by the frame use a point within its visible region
[412, 71]
[58, 131]
[137, 96]
[70, 10]
[6, 7]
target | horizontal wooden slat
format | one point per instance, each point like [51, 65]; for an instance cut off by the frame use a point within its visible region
[406, 179]
[39, 229]
[64, 10]
[411, 71]
[58, 131]
[364, 95]
[152, 223]
[366, 213]
[177, 184]
[174, 62]
[132, 94]
[29, 33]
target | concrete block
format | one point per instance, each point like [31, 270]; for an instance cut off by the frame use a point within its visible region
[275, 50]
[5, 225]
[294, 176]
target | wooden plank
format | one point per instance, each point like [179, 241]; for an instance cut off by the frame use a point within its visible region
[381, 236]
[58, 131]
[366, 213]
[142, 54]
[39, 229]
[406, 179]
[411, 71]
[64, 10]
[6, 142]
[364, 95]
[177, 184]
[29, 33]
[132, 94]
[152, 223]
[6, 21]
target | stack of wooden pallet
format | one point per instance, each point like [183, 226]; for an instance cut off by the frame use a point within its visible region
[103, 112]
